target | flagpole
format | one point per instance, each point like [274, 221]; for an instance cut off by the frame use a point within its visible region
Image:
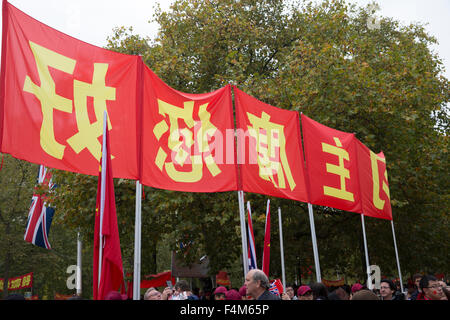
[137, 244]
[369, 283]
[283, 275]
[251, 235]
[102, 197]
[314, 242]
[79, 259]
[266, 251]
[396, 255]
[243, 232]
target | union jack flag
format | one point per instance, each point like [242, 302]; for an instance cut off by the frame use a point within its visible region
[276, 287]
[40, 216]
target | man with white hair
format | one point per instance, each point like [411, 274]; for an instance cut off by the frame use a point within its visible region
[257, 285]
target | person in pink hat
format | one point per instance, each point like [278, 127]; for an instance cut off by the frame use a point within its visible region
[243, 293]
[219, 293]
[232, 295]
[304, 293]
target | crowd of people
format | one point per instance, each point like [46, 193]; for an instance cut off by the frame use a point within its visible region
[257, 285]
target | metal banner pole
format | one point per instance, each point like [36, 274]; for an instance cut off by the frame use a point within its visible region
[314, 242]
[79, 259]
[396, 255]
[369, 282]
[102, 198]
[243, 232]
[137, 244]
[283, 275]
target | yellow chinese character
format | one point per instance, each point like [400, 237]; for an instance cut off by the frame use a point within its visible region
[15, 284]
[378, 203]
[26, 280]
[271, 150]
[46, 94]
[339, 170]
[88, 133]
[180, 141]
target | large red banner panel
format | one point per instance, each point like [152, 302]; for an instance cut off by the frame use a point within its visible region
[332, 165]
[188, 139]
[54, 91]
[269, 149]
[374, 183]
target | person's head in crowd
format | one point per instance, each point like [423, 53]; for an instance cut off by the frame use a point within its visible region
[356, 287]
[290, 291]
[320, 291]
[387, 289]
[304, 293]
[243, 293]
[220, 292]
[256, 283]
[364, 295]
[115, 295]
[431, 288]
[232, 294]
[152, 294]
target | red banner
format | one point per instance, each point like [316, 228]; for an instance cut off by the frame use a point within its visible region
[188, 139]
[333, 283]
[331, 161]
[157, 280]
[374, 183]
[269, 149]
[17, 283]
[223, 279]
[54, 90]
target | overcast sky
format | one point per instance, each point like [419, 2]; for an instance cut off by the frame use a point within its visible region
[93, 20]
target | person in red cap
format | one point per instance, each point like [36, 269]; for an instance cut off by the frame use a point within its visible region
[219, 293]
[243, 293]
[232, 295]
[304, 293]
[355, 288]
[115, 295]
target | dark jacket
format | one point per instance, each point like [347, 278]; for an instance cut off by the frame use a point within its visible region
[268, 296]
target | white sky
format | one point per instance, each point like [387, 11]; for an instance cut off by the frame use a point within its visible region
[93, 20]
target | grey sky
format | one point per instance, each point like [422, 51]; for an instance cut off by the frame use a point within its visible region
[93, 20]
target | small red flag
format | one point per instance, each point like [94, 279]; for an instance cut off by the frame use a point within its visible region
[266, 252]
[111, 276]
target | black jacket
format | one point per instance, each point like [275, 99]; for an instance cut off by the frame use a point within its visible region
[268, 296]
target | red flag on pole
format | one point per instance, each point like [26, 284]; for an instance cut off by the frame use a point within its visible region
[106, 232]
[266, 252]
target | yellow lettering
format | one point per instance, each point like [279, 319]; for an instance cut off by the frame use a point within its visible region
[88, 133]
[377, 201]
[339, 170]
[46, 94]
[181, 141]
[271, 150]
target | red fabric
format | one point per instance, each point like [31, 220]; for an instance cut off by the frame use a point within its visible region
[223, 279]
[374, 183]
[269, 149]
[158, 280]
[326, 151]
[52, 115]
[174, 156]
[111, 268]
[266, 252]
